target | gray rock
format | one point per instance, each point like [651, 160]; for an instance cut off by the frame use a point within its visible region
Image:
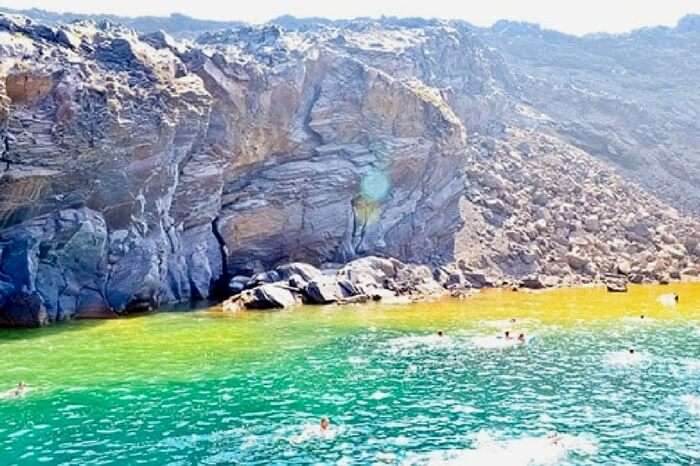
[533, 283]
[577, 261]
[238, 283]
[615, 283]
[270, 296]
[306, 271]
[270, 276]
[23, 310]
[297, 282]
[478, 279]
[369, 272]
[324, 290]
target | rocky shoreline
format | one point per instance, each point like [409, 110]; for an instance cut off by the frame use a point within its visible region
[363, 280]
[388, 280]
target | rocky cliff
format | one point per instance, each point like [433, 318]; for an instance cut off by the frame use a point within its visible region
[140, 170]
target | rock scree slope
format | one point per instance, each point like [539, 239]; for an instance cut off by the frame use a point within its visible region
[138, 169]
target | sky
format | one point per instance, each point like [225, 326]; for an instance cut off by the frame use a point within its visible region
[571, 16]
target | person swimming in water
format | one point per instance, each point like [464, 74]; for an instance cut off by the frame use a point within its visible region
[16, 392]
[642, 316]
[441, 333]
[507, 335]
[521, 338]
[325, 424]
[554, 438]
[631, 350]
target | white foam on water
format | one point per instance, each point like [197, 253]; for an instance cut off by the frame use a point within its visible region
[311, 432]
[386, 457]
[625, 358]
[502, 324]
[692, 365]
[420, 341]
[464, 409]
[379, 395]
[508, 324]
[668, 300]
[498, 342]
[14, 394]
[637, 320]
[526, 451]
[357, 360]
[692, 404]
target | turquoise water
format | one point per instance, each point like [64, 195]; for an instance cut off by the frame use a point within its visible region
[205, 388]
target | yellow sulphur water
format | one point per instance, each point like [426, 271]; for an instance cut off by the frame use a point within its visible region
[210, 388]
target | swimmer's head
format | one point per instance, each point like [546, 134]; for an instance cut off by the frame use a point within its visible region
[512, 320]
[642, 316]
[675, 296]
[325, 423]
[521, 337]
[631, 350]
[507, 333]
[22, 384]
[440, 333]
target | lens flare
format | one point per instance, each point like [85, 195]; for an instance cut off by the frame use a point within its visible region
[375, 185]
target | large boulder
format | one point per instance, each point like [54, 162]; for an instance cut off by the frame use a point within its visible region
[270, 276]
[478, 279]
[324, 290]
[306, 271]
[369, 272]
[615, 283]
[270, 296]
[412, 279]
[238, 283]
[577, 260]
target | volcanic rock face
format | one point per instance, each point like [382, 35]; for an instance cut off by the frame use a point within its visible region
[629, 99]
[139, 170]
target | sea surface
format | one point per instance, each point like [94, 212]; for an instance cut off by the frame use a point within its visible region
[183, 388]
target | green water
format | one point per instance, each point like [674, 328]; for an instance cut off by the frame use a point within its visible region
[206, 388]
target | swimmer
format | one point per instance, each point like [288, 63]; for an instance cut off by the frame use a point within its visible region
[521, 338]
[642, 316]
[441, 333]
[512, 321]
[17, 392]
[631, 350]
[553, 438]
[507, 334]
[325, 424]
[670, 299]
